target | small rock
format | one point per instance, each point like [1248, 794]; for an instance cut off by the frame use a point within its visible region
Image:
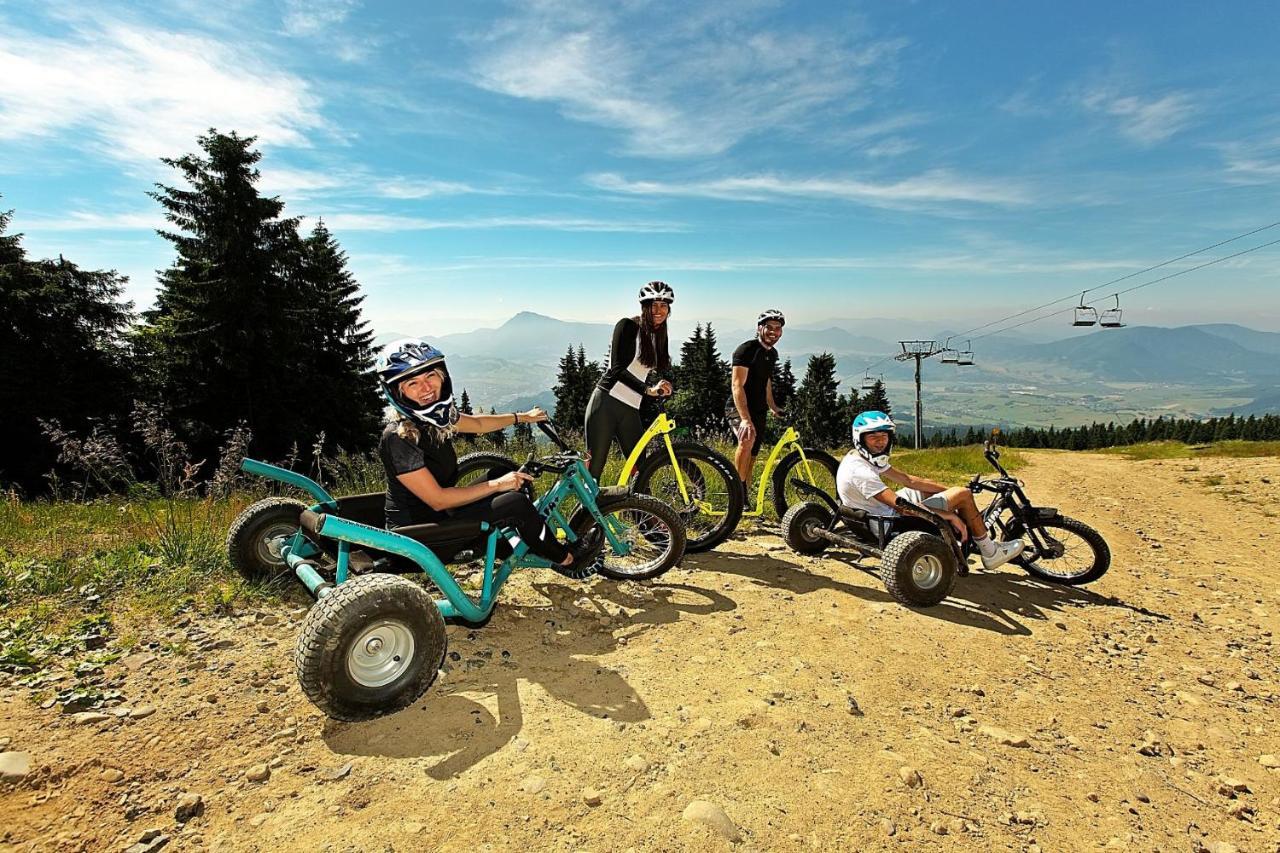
[910, 777]
[1221, 847]
[111, 775]
[713, 817]
[338, 772]
[702, 724]
[533, 785]
[1001, 736]
[1142, 797]
[258, 773]
[1230, 786]
[887, 827]
[1092, 796]
[189, 806]
[1206, 680]
[88, 718]
[14, 766]
[638, 763]
[1271, 762]
[142, 712]
[591, 797]
[155, 842]
[938, 828]
[852, 705]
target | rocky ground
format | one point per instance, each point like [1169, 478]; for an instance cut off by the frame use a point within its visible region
[752, 699]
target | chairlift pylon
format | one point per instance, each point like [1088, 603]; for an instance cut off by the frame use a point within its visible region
[1085, 315]
[964, 357]
[1112, 317]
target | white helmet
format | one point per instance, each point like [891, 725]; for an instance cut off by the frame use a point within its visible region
[771, 314]
[659, 290]
[869, 422]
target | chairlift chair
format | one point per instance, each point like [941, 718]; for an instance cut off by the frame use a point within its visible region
[965, 356]
[1111, 318]
[868, 384]
[949, 356]
[1085, 315]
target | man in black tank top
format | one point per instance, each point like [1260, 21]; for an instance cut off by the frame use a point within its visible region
[753, 364]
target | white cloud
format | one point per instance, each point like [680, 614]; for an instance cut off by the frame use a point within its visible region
[138, 94]
[82, 220]
[425, 188]
[390, 222]
[298, 183]
[930, 188]
[1251, 163]
[687, 87]
[312, 17]
[1145, 122]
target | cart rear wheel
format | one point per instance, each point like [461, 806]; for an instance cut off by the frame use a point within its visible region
[257, 535]
[799, 524]
[918, 569]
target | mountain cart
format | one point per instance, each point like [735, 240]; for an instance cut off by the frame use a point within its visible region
[374, 640]
[920, 556]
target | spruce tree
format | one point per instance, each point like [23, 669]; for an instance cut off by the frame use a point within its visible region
[566, 392]
[876, 400]
[784, 384]
[498, 438]
[342, 344]
[702, 384]
[817, 413]
[229, 333]
[63, 354]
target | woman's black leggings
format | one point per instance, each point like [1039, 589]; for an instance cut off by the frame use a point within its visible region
[514, 509]
[609, 418]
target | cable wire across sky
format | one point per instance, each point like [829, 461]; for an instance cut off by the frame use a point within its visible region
[1080, 293]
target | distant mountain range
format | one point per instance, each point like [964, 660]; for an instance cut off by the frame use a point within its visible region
[1176, 368]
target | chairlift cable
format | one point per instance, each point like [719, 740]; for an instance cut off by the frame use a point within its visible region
[1131, 289]
[1116, 281]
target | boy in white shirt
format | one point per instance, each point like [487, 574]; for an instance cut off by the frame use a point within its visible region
[860, 483]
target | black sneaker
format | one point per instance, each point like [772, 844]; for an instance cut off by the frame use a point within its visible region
[585, 553]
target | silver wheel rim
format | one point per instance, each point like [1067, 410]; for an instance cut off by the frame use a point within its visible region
[926, 572]
[648, 537]
[381, 653]
[272, 541]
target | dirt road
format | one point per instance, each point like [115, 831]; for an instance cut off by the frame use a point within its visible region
[791, 694]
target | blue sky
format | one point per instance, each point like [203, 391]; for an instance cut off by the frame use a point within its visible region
[952, 161]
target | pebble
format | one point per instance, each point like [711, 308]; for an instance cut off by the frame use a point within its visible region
[111, 774]
[338, 772]
[852, 705]
[88, 718]
[189, 806]
[14, 766]
[887, 827]
[533, 785]
[591, 797]
[938, 828]
[713, 817]
[258, 773]
[910, 777]
[1269, 761]
[702, 724]
[142, 712]
[1001, 736]
[638, 763]
[154, 840]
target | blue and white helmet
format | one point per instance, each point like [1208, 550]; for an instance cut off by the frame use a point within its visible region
[869, 422]
[411, 357]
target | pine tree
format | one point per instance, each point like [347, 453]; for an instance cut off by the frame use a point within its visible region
[464, 408]
[498, 438]
[342, 344]
[817, 413]
[702, 384]
[575, 381]
[63, 354]
[784, 384]
[876, 400]
[229, 333]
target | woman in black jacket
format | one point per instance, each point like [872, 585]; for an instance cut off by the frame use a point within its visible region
[639, 347]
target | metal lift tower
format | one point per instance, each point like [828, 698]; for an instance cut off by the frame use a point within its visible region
[918, 351]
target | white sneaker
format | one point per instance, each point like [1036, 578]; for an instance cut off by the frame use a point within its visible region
[1005, 551]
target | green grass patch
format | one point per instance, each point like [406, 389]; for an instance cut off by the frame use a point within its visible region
[1179, 450]
[954, 466]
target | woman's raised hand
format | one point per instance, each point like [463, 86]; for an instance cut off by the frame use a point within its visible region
[511, 481]
[662, 389]
[536, 415]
